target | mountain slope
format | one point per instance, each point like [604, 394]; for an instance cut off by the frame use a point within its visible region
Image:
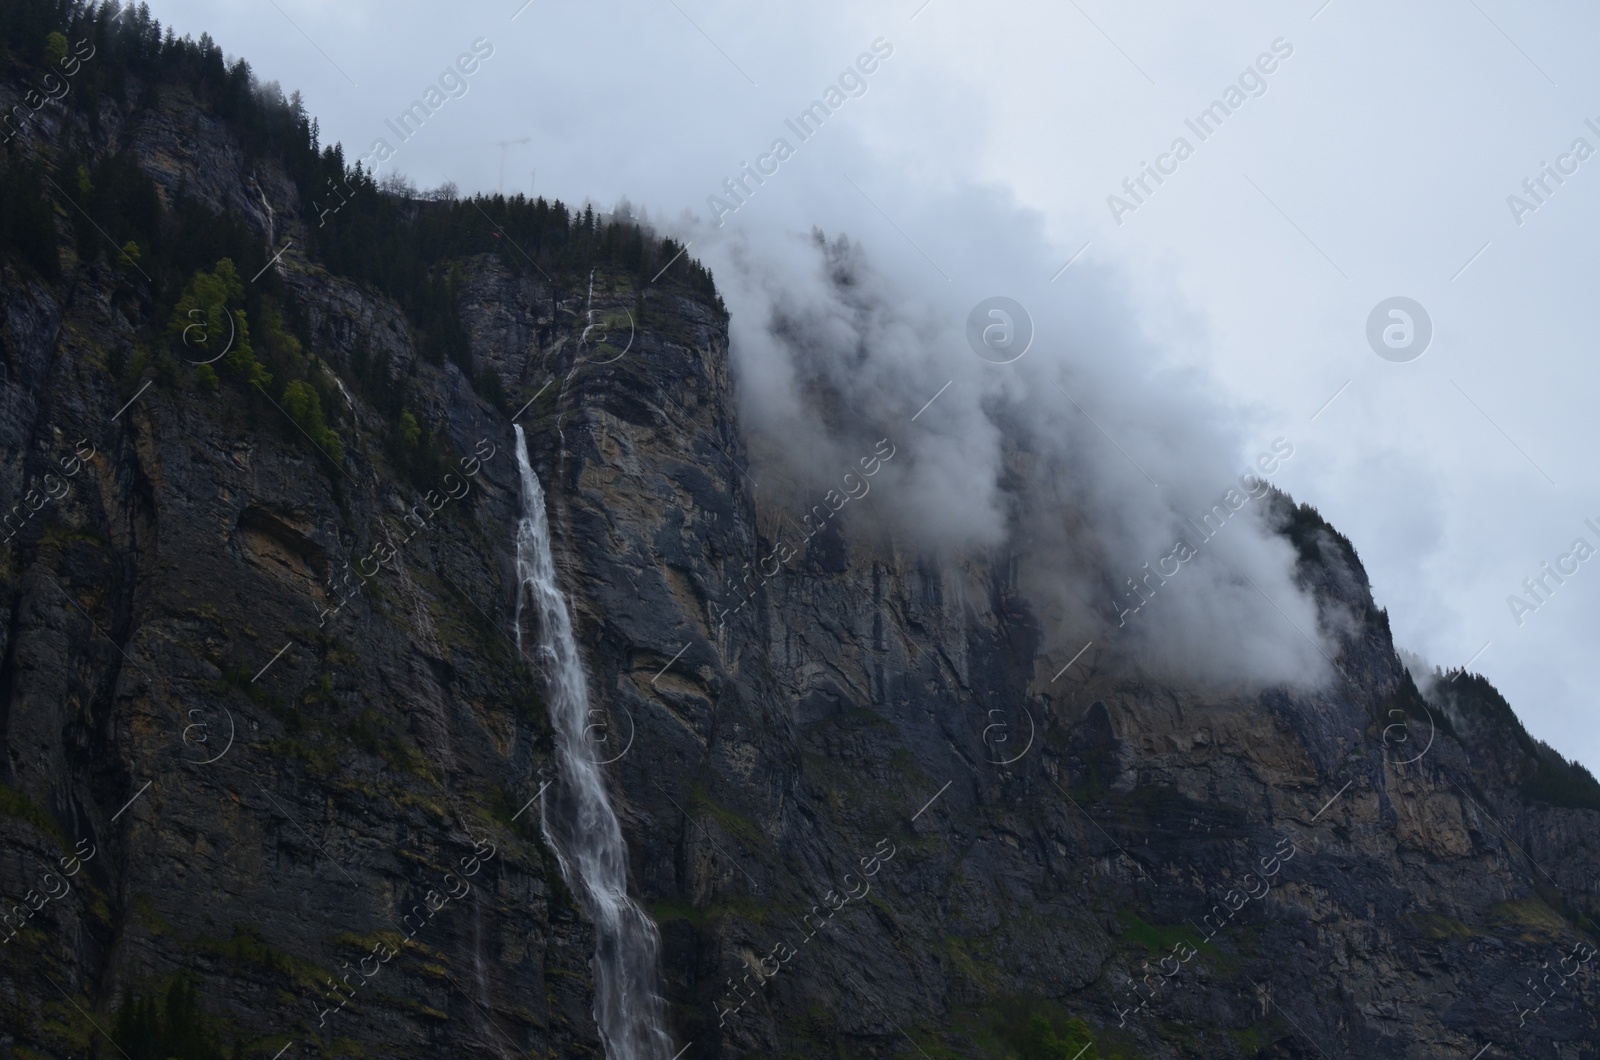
[258, 658]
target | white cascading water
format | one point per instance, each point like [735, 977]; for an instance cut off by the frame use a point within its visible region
[576, 813]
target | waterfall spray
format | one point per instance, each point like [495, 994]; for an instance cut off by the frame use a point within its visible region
[576, 812]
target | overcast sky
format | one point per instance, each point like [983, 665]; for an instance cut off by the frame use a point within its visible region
[1376, 162]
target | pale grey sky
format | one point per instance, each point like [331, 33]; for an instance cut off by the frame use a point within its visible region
[1377, 162]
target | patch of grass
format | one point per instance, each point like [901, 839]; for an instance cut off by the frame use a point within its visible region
[57, 536]
[392, 940]
[973, 958]
[1536, 920]
[143, 908]
[742, 906]
[1158, 937]
[700, 798]
[501, 806]
[319, 692]
[240, 677]
[1035, 1029]
[905, 763]
[377, 735]
[248, 945]
[14, 803]
[976, 1029]
[1434, 926]
[320, 757]
[668, 909]
[1248, 1042]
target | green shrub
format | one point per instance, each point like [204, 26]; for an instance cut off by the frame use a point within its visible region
[55, 47]
[301, 402]
[203, 327]
[1040, 1041]
[179, 1030]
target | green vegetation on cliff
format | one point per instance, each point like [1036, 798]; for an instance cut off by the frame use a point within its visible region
[209, 278]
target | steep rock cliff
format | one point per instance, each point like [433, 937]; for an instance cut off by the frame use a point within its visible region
[264, 700]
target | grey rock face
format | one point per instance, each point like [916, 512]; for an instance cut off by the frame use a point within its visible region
[868, 816]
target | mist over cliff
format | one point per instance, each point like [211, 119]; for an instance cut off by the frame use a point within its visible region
[1086, 454]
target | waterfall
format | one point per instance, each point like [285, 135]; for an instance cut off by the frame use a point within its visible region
[576, 813]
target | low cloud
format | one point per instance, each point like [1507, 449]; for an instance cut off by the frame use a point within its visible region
[1080, 462]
